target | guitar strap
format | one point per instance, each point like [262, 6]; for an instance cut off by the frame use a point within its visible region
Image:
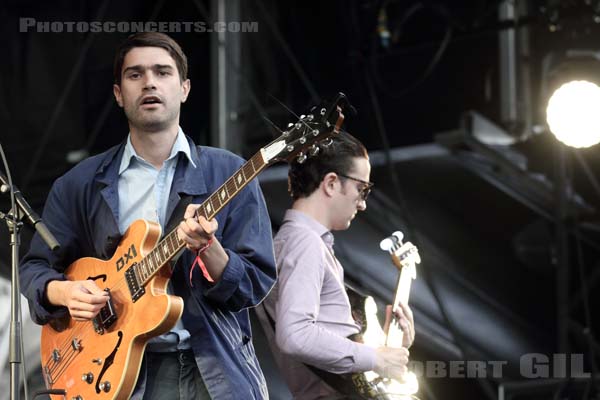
[178, 212]
[342, 383]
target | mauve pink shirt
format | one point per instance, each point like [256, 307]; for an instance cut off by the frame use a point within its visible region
[311, 309]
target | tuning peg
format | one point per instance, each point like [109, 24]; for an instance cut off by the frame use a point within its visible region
[392, 241]
[315, 132]
[399, 236]
[310, 117]
[302, 140]
[327, 142]
[302, 116]
[386, 244]
[298, 125]
[314, 150]
[289, 148]
[301, 158]
[290, 125]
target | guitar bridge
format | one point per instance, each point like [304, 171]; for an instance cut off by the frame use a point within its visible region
[106, 317]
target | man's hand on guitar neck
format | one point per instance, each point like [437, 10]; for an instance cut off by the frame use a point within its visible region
[403, 319]
[199, 234]
[391, 362]
[404, 316]
[84, 299]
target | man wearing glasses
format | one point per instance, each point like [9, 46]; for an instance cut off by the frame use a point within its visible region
[308, 307]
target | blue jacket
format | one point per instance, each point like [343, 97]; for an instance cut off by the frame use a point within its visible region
[82, 211]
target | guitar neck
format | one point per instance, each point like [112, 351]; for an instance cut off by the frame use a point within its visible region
[171, 245]
[403, 288]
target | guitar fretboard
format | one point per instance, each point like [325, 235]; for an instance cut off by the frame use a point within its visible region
[171, 245]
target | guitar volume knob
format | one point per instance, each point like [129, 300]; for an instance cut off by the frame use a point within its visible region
[89, 377]
[105, 386]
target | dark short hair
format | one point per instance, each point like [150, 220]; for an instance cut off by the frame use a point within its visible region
[338, 157]
[150, 39]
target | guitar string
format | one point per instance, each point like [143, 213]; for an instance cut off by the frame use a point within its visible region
[63, 366]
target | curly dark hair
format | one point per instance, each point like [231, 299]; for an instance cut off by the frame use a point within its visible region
[305, 178]
[150, 39]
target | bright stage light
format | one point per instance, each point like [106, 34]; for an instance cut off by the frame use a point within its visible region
[573, 114]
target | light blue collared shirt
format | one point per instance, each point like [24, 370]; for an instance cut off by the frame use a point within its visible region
[143, 189]
[144, 193]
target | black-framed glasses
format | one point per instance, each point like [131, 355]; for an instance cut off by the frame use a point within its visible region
[365, 190]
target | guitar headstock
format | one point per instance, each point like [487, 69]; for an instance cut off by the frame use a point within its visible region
[404, 255]
[302, 138]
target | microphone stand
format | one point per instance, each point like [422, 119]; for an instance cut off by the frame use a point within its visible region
[15, 360]
[19, 209]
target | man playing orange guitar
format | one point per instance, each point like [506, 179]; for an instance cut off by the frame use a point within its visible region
[208, 354]
[309, 307]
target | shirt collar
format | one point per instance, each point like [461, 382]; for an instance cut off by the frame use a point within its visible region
[314, 225]
[181, 145]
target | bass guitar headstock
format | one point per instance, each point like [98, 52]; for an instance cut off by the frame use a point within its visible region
[404, 255]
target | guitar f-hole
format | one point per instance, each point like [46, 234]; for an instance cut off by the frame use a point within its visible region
[105, 386]
[101, 276]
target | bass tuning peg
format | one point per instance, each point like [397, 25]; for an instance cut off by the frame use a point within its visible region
[327, 142]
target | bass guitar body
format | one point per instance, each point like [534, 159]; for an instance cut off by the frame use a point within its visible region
[369, 385]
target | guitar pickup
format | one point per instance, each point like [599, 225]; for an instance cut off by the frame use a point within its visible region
[106, 317]
[135, 288]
